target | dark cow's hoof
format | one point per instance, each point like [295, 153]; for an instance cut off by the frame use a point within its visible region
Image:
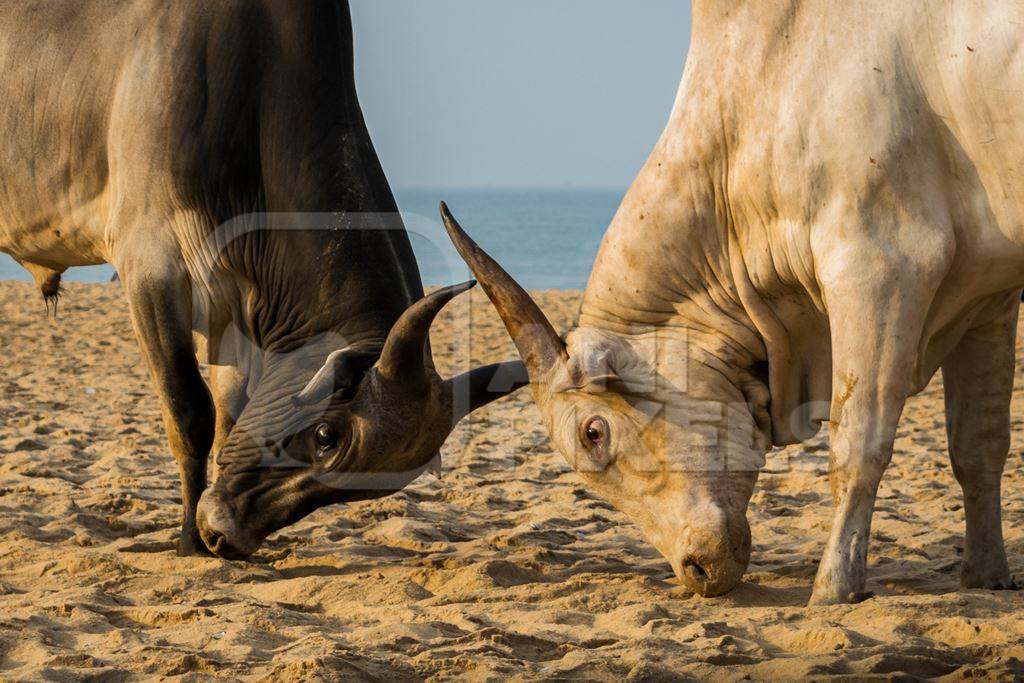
[993, 575]
[1001, 584]
[193, 547]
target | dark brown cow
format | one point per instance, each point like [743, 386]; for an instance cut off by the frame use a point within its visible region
[215, 153]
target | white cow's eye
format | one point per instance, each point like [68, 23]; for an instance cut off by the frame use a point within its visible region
[596, 432]
[595, 435]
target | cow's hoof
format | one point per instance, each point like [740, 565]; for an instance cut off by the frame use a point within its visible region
[1002, 582]
[193, 547]
[987, 572]
[823, 598]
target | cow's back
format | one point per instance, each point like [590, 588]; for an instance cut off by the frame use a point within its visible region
[98, 93]
[970, 61]
[816, 110]
[896, 126]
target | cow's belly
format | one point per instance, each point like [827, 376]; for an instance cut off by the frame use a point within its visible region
[56, 239]
[59, 68]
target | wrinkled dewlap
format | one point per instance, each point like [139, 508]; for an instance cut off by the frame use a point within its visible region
[506, 567]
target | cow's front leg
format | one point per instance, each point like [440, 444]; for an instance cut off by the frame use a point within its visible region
[159, 297]
[978, 378]
[229, 399]
[865, 415]
[878, 304]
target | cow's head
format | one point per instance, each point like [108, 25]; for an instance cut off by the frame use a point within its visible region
[369, 422]
[649, 422]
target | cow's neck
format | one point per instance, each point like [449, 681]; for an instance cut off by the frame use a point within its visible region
[338, 278]
[337, 259]
[665, 265]
[669, 263]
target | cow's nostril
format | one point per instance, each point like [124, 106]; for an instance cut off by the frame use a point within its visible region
[694, 571]
[215, 541]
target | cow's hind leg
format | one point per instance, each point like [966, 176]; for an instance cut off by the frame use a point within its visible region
[159, 296]
[978, 379]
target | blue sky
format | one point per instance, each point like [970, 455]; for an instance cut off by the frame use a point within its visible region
[530, 93]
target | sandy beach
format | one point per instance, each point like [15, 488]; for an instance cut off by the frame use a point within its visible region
[503, 568]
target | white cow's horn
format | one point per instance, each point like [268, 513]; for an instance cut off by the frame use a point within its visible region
[539, 345]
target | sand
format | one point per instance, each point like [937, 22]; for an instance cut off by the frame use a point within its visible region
[505, 567]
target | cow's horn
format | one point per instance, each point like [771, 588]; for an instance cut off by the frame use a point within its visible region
[404, 352]
[539, 345]
[481, 386]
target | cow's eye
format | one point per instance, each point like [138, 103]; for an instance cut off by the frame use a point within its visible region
[326, 436]
[595, 434]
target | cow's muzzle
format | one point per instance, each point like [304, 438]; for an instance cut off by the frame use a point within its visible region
[714, 560]
[220, 531]
[709, 577]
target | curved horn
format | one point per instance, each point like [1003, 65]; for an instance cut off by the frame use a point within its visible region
[403, 357]
[538, 343]
[480, 386]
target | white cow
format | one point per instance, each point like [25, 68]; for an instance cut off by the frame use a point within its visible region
[835, 211]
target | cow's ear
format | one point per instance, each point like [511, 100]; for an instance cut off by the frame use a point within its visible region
[343, 371]
[596, 360]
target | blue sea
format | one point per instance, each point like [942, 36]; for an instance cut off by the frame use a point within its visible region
[547, 239]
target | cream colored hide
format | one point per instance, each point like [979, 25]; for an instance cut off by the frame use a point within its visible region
[834, 213]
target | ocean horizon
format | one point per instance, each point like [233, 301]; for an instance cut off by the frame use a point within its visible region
[545, 238]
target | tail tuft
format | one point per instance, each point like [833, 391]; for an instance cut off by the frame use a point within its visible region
[51, 292]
